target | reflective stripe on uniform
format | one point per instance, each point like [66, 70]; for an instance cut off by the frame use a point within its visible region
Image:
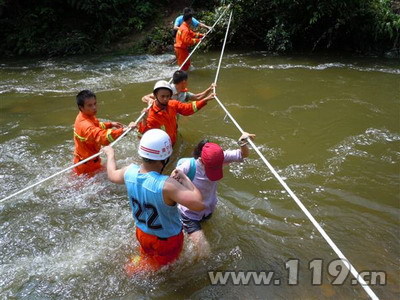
[194, 106]
[81, 138]
[109, 136]
[102, 125]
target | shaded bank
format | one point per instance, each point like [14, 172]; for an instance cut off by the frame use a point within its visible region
[57, 28]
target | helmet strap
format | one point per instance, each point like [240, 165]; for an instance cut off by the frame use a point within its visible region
[162, 105]
[164, 163]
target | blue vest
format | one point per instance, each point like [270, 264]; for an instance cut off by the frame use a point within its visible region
[151, 213]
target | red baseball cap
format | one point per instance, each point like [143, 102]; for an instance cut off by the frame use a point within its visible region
[212, 157]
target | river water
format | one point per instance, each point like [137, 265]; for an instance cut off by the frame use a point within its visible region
[329, 125]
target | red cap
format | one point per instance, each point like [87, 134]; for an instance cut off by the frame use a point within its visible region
[212, 157]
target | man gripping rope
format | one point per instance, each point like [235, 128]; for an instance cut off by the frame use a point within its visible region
[90, 134]
[185, 38]
[163, 111]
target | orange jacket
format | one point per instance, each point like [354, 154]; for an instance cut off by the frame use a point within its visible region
[165, 119]
[89, 136]
[186, 37]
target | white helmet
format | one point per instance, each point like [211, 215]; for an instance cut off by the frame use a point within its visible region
[155, 144]
[162, 84]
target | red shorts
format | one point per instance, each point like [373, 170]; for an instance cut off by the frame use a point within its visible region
[155, 252]
[181, 55]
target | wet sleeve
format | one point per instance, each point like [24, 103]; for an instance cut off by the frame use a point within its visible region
[232, 156]
[101, 136]
[189, 96]
[187, 109]
[105, 125]
[190, 37]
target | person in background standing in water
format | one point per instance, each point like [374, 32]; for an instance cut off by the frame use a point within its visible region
[185, 38]
[163, 111]
[205, 169]
[180, 91]
[153, 198]
[90, 134]
[194, 24]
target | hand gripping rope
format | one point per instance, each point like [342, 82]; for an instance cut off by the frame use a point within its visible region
[119, 138]
[339, 253]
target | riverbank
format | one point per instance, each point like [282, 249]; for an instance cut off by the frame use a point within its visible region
[64, 28]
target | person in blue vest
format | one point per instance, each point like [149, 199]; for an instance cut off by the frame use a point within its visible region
[195, 23]
[205, 169]
[153, 198]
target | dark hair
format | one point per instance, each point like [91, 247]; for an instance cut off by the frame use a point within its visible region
[187, 16]
[147, 160]
[197, 150]
[179, 76]
[82, 96]
[188, 10]
[152, 161]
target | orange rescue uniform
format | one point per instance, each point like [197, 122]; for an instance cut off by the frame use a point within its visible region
[185, 38]
[165, 118]
[89, 135]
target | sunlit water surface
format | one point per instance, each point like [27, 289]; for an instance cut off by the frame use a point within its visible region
[329, 125]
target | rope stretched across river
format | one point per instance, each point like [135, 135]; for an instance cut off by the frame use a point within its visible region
[345, 261]
[339, 253]
[119, 138]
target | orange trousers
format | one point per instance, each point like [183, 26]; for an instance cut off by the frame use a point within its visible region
[155, 252]
[181, 55]
[90, 167]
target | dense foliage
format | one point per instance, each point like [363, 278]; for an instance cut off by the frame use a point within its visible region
[367, 26]
[60, 27]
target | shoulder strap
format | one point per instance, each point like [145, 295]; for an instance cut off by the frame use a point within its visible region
[192, 168]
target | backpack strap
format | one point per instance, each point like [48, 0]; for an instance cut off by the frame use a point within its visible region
[192, 168]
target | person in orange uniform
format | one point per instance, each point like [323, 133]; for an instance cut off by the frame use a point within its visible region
[163, 112]
[90, 134]
[185, 38]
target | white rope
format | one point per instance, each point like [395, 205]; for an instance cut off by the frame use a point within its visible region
[73, 166]
[339, 253]
[198, 44]
[223, 48]
[113, 143]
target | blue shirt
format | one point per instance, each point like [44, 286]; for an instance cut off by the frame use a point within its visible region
[152, 215]
[179, 21]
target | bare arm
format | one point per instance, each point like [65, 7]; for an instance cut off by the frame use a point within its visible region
[148, 98]
[180, 189]
[114, 175]
[204, 93]
[204, 26]
[243, 142]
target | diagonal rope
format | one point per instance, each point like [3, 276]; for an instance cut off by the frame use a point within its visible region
[119, 138]
[71, 167]
[339, 253]
[198, 44]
